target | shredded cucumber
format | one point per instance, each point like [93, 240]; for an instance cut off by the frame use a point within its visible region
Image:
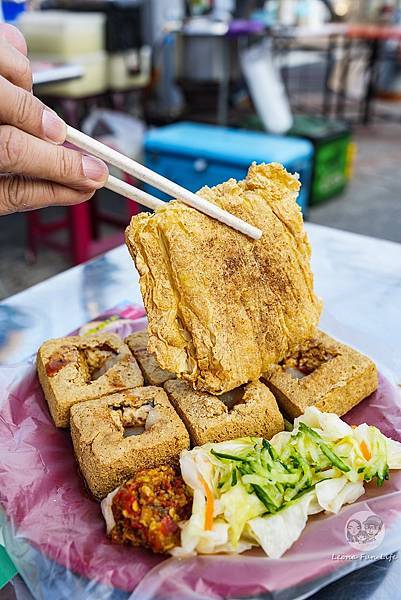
[227, 456]
[279, 478]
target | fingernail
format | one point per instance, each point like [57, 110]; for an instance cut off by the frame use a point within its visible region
[94, 168]
[54, 128]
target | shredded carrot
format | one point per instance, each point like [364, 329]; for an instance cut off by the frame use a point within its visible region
[209, 510]
[354, 426]
[365, 450]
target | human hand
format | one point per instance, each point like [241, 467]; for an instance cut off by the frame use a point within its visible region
[35, 170]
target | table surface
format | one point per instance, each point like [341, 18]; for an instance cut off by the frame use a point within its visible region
[355, 30]
[358, 277]
[323, 30]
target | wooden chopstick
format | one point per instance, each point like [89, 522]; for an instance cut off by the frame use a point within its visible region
[133, 193]
[109, 155]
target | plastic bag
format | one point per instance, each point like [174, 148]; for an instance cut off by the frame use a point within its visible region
[54, 531]
[117, 130]
[266, 88]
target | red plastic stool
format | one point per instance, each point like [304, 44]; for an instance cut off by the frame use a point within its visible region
[82, 225]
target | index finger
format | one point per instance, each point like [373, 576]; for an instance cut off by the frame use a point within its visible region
[22, 110]
[14, 65]
[14, 37]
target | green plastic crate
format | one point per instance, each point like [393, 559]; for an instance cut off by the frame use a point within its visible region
[334, 151]
[330, 169]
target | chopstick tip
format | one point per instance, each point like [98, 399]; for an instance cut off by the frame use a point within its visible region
[257, 234]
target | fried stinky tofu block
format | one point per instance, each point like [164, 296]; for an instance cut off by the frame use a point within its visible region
[323, 373]
[78, 368]
[223, 307]
[252, 411]
[120, 434]
[153, 374]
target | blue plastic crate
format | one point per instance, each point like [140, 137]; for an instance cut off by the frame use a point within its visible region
[194, 155]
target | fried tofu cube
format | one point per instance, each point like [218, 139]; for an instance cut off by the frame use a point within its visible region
[117, 435]
[153, 374]
[79, 368]
[323, 373]
[251, 410]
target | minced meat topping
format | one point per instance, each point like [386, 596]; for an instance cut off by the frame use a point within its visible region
[310, 358]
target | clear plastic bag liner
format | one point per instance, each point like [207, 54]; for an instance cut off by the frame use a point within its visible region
[55, 534]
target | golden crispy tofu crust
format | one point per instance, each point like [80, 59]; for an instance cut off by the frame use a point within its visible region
[153, 374]
[106, 456]
[252, 411]
[336, 383]
[222, 307]
[78, 368]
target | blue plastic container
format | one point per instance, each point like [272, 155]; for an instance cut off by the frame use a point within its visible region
[194, 155]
